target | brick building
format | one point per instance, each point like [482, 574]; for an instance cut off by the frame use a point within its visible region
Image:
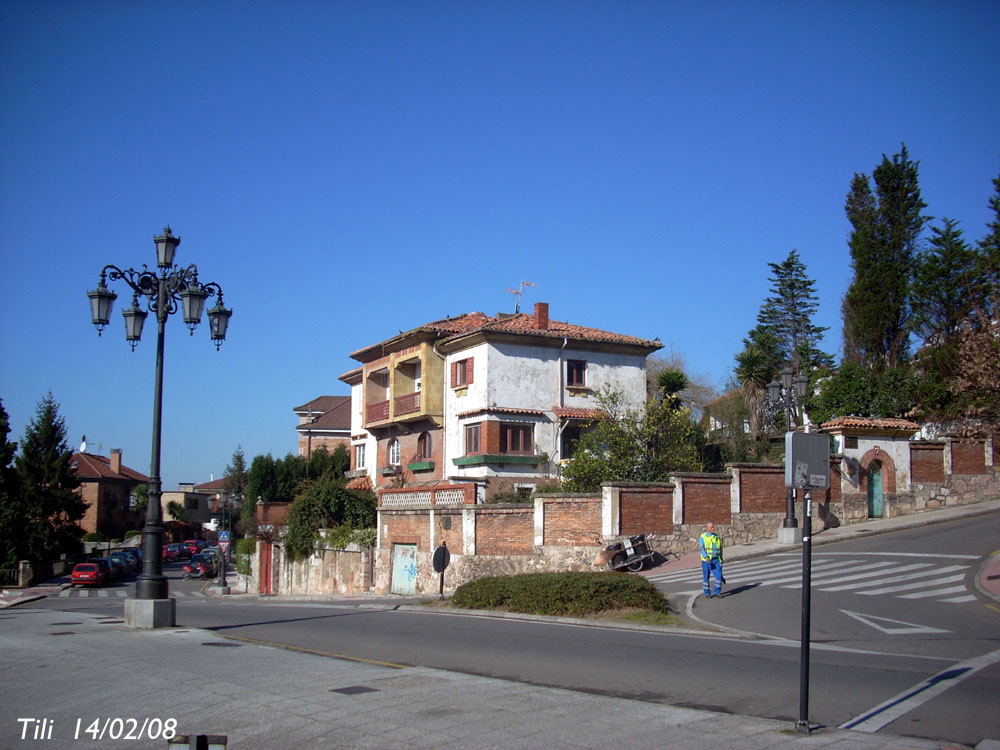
[108, 488]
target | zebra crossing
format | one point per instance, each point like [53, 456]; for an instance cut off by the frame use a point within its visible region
[905, 575]
[120, 594]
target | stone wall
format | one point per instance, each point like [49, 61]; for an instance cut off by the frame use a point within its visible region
[329, 571]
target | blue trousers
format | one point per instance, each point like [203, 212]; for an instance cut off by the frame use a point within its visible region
[709, 568]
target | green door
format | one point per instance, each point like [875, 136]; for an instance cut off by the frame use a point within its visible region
[875, 490]
[404, 569]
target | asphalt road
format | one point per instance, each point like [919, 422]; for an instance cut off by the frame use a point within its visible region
[867, 649]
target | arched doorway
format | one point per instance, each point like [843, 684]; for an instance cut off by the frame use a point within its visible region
[876, 505]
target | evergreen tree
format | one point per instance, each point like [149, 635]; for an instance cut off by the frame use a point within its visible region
[262, 485]
[989, 261]
[51, 503]
[12, 532]
[236, 473]
[945, 285]
[788, 315]
[885, 225]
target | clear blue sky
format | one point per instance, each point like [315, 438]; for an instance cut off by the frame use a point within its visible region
[346, 170]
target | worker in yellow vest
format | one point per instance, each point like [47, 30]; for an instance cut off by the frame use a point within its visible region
[710, 547]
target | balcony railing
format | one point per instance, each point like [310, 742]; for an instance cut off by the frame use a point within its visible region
[407, 404]
[378, 412]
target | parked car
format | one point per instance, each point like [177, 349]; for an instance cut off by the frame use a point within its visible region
[170, 553]
[110, 571]
[128, 562]
[194, 545]
[136, 554]
[87, 574]
[183, 553]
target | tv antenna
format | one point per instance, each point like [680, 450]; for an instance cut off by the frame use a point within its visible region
[517, 294]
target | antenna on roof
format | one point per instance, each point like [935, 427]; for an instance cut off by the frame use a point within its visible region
[83, 444]
[517, 294]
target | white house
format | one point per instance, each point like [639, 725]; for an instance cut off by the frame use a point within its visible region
[498, 401]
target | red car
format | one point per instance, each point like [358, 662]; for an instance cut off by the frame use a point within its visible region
[87, 574]
[194, 545]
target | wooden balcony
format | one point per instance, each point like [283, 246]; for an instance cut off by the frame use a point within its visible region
[408, 404]
[378, 412]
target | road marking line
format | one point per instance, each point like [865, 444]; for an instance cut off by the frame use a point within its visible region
[330, 654]
[846, 581]
[84, 594]
[917, 585]
[65, 592]
[936, 592]
[121, 594]
[929, 570]
[910, 629]
[960, 599]
[909, 554]
[887, 712]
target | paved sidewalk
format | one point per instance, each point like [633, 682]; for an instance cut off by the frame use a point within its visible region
[72, 670]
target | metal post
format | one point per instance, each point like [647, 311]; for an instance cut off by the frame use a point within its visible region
[803, 723]
[151, 583]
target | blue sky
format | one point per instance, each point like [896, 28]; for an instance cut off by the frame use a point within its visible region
[346, 170]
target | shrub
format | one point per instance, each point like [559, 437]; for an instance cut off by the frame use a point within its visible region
[93, 536]
[132, 533]
[245, 549]
[574, 594]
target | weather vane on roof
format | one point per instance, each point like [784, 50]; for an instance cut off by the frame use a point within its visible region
[517, 294]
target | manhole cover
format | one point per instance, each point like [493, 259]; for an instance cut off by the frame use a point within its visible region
[354, 690]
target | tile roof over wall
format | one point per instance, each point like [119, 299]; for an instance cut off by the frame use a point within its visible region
[322, 404]
[336, 417]
[870, 423]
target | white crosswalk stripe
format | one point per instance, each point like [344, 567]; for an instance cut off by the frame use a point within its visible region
[902, 578]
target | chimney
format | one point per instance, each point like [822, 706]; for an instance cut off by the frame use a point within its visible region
[116, 460]
[542, 316]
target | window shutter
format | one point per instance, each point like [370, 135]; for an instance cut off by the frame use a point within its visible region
[468, 371]
[454, 371]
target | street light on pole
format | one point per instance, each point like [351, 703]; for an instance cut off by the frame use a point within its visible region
[788, 393]
[162, 292]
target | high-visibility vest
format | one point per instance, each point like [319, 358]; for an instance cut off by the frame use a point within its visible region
[711, 547]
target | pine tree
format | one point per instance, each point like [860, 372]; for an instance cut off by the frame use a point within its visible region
[12, 532]
[885, 224]
[236, 473]
[989, 261]
[945, 284]
[51, 503]
[788, 314]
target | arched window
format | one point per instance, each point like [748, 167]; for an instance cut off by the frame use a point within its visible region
[424, 445]
[394, 452]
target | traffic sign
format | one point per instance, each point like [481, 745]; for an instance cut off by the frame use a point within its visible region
[224, 536]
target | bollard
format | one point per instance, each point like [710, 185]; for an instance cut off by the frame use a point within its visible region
[198, 742]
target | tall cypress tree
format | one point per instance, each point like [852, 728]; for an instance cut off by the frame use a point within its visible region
[886, 224]
[989, 262]
[50, 502]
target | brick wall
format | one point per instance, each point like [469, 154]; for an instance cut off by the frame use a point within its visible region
[762, 489]
[968, 458]
[406, 527]
[927, 462]
[706, 498]
[571, 522]
[646, 510]
[448, 529]
[505, 531]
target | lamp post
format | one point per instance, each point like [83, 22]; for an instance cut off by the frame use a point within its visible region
[163, 291]
[787, 393]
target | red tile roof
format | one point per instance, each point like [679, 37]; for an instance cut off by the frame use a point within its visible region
[337, 417]
[90, 466]
[502, 410]
[871, 423]
[322, 404]
[517, 324]
[565, 412]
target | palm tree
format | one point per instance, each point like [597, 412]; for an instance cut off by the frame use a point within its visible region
[753, 372]
[671, 383]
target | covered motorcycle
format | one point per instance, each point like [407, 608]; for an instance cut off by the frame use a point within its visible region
[632, 553]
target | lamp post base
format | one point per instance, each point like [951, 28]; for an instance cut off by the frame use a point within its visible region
[150, 613]
[788, 535]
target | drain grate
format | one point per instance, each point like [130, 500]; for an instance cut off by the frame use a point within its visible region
[64, 632]
[223, 645]
[67, 623]
[111, 622]
[354, 690]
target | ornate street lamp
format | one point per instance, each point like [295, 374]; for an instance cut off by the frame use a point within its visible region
[160, 292]
[788, 393]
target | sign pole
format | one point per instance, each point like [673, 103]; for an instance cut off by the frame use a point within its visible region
[803, 723]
